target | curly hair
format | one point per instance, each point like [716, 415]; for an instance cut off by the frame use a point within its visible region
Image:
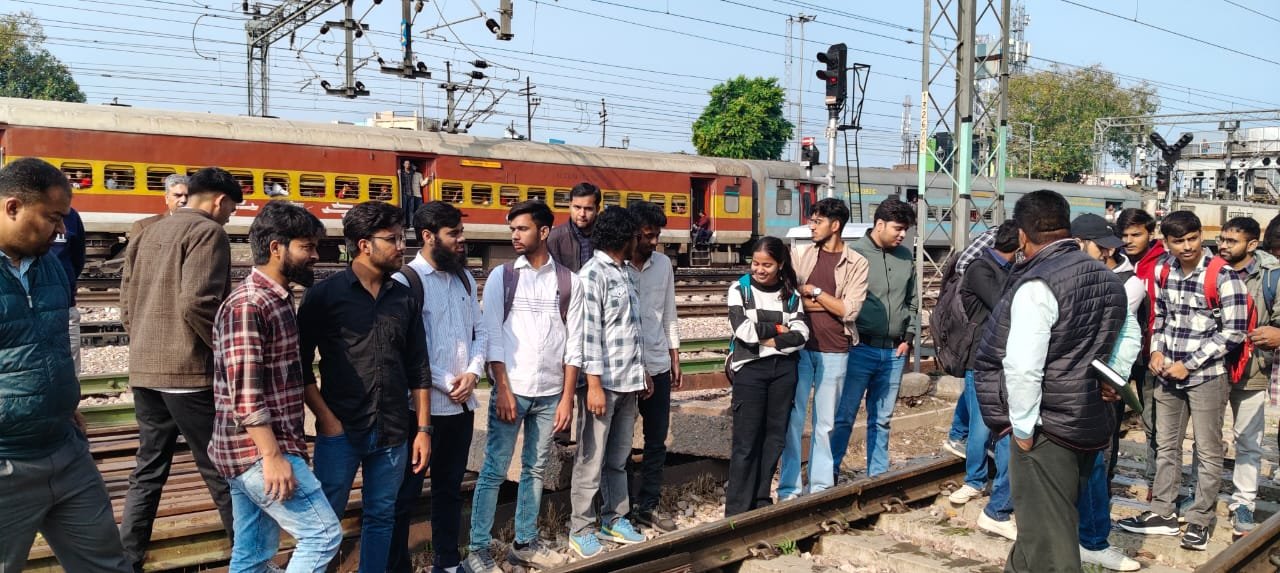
[614, 228]
[30, 179]
[647, 214]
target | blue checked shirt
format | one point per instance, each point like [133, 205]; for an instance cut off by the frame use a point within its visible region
[976, 248]
[611, 334]
[1187, 330]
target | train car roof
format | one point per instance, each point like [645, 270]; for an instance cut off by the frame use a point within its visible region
[63, 115]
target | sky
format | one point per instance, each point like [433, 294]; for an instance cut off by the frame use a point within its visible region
[652, 61]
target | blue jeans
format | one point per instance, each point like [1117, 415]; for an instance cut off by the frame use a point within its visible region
[975, 450]
[1000, 505]
[823, 374]
[1094, 507]
[960, 418]
[874, 373]
[258, 520]
[537, 416]
[336, 460]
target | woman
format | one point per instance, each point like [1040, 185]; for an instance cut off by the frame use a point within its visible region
[769, 327]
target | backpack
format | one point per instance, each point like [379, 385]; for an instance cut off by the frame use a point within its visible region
[949, 324]
[748, 303]
[1237, 360]
[510, 278]
[419, 293]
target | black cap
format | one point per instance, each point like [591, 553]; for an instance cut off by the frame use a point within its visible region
[1094, 228]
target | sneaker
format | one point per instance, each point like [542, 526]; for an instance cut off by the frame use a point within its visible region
[1150, 523]
[964, 494]
[479, 561]
[536, 555]
[954, 447]
[1241, 520]
[1007, 529]
[652, 519]
[585, 545]
[1110, 558]
[1197, 537]
[620, 531]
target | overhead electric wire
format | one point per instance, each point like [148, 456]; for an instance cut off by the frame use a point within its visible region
[1246, 8]
[1173, 32]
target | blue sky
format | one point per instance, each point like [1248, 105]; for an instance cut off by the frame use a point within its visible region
[653, 61]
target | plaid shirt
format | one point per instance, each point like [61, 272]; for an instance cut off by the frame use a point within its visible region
[1187, 330]
[257, 376]
[976, 248]
[610, 336]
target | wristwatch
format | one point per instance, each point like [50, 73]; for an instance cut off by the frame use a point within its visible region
[428, 430]
[817, 292]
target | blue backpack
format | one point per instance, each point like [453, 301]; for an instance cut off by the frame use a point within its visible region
[744, 287]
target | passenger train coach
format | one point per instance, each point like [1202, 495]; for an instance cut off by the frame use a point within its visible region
[118, 158]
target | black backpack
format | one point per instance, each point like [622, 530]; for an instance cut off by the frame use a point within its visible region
[949, 324]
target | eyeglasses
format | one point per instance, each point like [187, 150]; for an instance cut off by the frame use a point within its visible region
[397, 240]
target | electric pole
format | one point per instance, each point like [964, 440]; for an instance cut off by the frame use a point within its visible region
[407, 69]
[263, 30]
[352, 29]
[449, 88]
[531, 103]
[798, 100]
[604, 120]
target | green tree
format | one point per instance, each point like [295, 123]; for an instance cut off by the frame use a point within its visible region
[27, 69]
[1062, 104]
[743, 120]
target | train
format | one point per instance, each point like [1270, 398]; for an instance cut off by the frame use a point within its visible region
[118, 158]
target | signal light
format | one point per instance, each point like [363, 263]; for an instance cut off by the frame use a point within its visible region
[836, 58]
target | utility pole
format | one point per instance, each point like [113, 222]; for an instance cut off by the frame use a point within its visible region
[604, 120]
[263, 30]
[449, 89]
[531, 103]
[798, 101]
[1230, 127]
[352, 29]
[906, 130]
[407, 69]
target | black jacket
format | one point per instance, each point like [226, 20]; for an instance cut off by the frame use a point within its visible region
[564, 248]
[980, 291]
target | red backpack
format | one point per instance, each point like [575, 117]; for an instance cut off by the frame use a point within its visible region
[1237, 360]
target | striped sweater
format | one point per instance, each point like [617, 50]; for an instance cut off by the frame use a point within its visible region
[759, 322]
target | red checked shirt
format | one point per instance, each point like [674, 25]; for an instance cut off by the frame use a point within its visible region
[257, 374]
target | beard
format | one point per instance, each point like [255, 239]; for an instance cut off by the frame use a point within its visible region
[299, 273]
[446, 259]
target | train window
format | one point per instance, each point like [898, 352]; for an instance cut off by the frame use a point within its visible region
[784, 201]
[537, 194]
[277, 184]
[508, 195]
[80, 174]
[658, 199]
[118, 176]
[481, 194]
[989, 215]
[913, 193]
[379, 189]
[730, 199]
[560, 199]
[451, 192]
[155, 177]
[633, 198]
[612, 199]
[945, 215]
[245, 179]
[310, 185]
[347, 187]
[680, 204]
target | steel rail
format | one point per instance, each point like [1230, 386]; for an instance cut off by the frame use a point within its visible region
[1257, 552]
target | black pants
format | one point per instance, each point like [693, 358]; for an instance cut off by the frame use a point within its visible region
[763, 393]
[398, 558]
[656, 413]
[161, 417]
[1046, 485]
[449, 449]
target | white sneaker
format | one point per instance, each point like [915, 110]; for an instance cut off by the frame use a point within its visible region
[954, 447]
[964, 494]
[1006, 529]
[1110, 558]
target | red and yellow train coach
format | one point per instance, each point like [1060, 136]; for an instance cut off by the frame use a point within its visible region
[119, 157]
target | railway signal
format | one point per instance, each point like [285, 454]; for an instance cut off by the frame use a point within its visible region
[836, 58]
[1169, 153]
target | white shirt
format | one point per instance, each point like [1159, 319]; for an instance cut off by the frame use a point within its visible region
[659, 331]
[1134, 291]
[456, 335]
[531, 342]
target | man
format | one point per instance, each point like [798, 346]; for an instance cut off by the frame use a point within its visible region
[533, 386]
[1033, 376]
[887, 326]
[1137, 230]
[457, 345]
[48, 481]
[176, 275]
[833, 286]
[175, 197]
[660, 333]
[411, 189]
[1189, 342]
[372, 356]
[257, 442]
[610, 341]
[570, 243]
[69, 248]
[959, 432]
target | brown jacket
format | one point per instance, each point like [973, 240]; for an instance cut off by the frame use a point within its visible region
[175, 277]
[851, 282]
[141, 224]
[562, 244]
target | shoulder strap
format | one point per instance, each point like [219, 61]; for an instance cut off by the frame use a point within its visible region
[415, 286]
[564, 288]
[465, 276]
[744, 284]
[1211, 274]
[510, 278]
[1163, 276]
[1270, 281]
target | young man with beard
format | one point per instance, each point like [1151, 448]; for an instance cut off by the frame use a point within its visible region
[1137, 230]
[1189, 344]
[656, 286]
[48, 481]
[526, 307]
[457, 342]
[887, 325]
[257, 443]
[176, 275]
[833, 286]
[372, 355]
[570, 242]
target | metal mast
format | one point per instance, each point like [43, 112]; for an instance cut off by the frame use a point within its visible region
[265, 29]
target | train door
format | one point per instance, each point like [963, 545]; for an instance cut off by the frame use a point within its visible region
[700, 196]
[424, 168]
[808, 196]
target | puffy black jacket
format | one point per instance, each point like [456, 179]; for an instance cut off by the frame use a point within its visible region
[1091, 311]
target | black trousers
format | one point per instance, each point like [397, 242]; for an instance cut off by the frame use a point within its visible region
[656, 415]
[1046, 485]
[161, 417]
[450, 447]
[763, 393]
[398, 558]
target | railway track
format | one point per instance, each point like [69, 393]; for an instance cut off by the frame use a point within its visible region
[1257, 552]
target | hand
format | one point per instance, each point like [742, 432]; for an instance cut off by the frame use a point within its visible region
[1156, 363]
[1109, 394]
[421, 452]
[595, 400]
[80, 422]
[677, 378]
[506, 405]
[783, 329]
[902, 350]
[1176, 371]
[277, 477]
[806, 290]
[329, 426]
[564, 415]
[648, 387]
[770, 343]
[1266, 337]
[463, 386]
[811, 307]
[1024, 444]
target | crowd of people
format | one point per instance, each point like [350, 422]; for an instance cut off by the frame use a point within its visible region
[579, 331]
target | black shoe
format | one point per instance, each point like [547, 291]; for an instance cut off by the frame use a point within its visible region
[1197, 537]
[1150, 523]
[651, 519]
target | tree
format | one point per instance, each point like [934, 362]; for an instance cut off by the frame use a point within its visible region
[743, 120]
[1062, 104]
[27, 69]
